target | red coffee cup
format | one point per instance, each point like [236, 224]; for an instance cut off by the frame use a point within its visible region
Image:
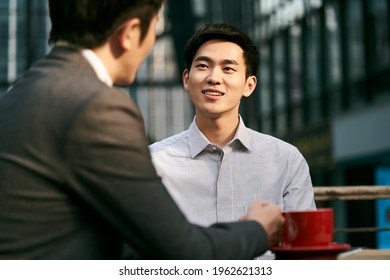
[308, 228]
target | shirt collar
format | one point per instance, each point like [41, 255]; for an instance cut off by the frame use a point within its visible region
[243, 135]
[93, 60]
[198, 142]
[97, 65]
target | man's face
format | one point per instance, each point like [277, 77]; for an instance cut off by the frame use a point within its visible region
[216, 81]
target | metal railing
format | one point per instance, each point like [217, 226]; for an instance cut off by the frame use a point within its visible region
[351, 192]
[325, 193]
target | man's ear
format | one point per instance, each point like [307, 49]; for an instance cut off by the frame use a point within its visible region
[129, 34]
[185, 78]
[250, 85]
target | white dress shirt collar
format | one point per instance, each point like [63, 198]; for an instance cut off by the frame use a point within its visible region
[93, 60]
[98, 66]
[198, 141]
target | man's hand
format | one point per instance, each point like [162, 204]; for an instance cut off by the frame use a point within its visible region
[270, 217]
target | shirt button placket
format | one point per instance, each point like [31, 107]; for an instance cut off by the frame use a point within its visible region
[224, 189]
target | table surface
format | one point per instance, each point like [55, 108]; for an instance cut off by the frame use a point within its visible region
[365, 254]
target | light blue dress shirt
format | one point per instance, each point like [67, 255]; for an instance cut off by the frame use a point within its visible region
[212, 184]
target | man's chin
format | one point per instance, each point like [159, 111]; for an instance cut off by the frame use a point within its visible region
[124, 83]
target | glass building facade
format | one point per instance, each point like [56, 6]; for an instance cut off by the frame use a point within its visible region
[323, 85]
[24, 27]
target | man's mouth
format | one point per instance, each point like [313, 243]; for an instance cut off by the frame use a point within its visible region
[212, 92]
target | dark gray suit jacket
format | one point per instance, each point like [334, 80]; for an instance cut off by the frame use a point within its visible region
[77, 182]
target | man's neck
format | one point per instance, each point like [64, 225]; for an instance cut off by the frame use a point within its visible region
[218, 131]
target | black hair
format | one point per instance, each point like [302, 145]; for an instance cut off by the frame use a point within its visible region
[90, 23]
[225, 32]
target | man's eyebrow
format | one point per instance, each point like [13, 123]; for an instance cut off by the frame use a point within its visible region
[208, 59]
[202, 58]
[230, 61]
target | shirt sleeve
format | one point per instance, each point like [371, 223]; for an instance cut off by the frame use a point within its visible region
[299, 194]
[110, 169]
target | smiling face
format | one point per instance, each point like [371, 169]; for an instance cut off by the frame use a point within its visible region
[216, 81]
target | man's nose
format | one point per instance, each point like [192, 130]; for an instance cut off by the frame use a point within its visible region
[214, 77]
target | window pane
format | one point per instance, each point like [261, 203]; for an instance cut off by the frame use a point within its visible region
[279, 63]
[315, 110]
[281, 121]
[355, 33]
[265, 89]
[264, 80]
[296, 64]
[295, 76]
[313, 55]
[378, 16]
[332, 20]
[3, 46]
[266, 124]
[313, 60]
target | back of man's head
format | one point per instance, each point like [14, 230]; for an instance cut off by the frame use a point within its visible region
[90, 23]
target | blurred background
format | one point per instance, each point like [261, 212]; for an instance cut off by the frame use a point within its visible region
[324, 83]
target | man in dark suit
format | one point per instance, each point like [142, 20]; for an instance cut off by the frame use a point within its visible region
[76, 178]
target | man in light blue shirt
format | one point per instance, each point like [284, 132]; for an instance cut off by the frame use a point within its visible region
[218, 167]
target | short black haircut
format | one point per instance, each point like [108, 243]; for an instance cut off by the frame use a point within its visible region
[225, 32]
[90, 23]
